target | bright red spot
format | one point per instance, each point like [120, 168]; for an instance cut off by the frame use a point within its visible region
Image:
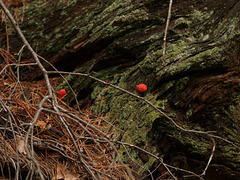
[61, 93]
[141, 88]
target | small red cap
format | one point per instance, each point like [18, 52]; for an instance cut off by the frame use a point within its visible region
[141, 88]
[61, 93]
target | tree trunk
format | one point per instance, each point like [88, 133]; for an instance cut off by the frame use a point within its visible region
[120, 41]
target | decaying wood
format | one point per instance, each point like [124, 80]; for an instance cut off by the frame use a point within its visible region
[190, 114]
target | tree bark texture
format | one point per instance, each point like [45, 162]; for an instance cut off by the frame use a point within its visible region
[120, 41]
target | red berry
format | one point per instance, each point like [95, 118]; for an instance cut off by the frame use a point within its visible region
[61, 93]
[141, 88]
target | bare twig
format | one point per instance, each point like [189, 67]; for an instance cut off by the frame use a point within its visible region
[84, 143]
[132, 94]
[34, 54]
[166, 28]
[211, 156]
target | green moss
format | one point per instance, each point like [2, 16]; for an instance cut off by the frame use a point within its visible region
[182, 23]
[181, 84]
[199, 17]
[180, 59]
[194, 143]
[185, 56]
[189, 112]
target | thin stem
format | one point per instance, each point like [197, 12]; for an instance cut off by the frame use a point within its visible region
[166, 29]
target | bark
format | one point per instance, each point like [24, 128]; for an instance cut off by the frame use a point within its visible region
[120, 41]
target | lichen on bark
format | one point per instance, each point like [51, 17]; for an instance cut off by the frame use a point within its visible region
[121, 42]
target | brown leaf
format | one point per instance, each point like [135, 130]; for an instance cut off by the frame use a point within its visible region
[20, 145]
[41, 124]
[63, 173]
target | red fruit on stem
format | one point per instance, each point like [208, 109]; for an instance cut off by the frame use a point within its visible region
[61, 93]
[141, 88]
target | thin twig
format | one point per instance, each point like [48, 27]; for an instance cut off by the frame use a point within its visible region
[166, 29]
[211, 156]
[132, 94]
[77, 151]
[34, 54]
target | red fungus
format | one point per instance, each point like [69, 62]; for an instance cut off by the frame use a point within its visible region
[141, 88]
[61, 93]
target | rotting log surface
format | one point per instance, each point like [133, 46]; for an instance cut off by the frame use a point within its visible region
[120, 41]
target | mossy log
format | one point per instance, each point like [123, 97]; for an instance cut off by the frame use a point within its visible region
[120, 41]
